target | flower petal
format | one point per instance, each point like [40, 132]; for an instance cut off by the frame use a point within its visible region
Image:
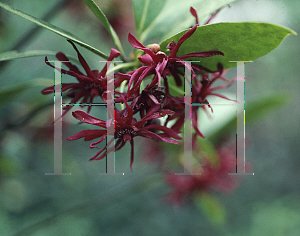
[149, 134]
[202, 54]
[83, 62]
[86, 133]
[129, 112]
[136, 73]
[148, 71]
[86, 118]
[113, 54]
[159, 114]
[103, 149]
[168, 131]
[136, 44]
[92, 145]
[159, 70]
[69, 72]
[146, 59]
[194, 13]
[181, 40]
[63, 58]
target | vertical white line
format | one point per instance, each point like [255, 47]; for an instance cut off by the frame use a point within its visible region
[240, 120]
[57, 122]
[188, 149]
[110, 120]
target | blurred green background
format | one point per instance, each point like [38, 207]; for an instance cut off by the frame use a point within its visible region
[87, 204]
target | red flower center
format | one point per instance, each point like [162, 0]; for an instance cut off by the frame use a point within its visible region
[125, 134]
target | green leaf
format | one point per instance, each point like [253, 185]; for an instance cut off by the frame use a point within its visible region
[11, 55]
[11, 92]
[174, 89]
[244, 41]
[145, 12]
[253, 111]
[7, 93]
[162, 19]
[100, 15]
[212, 207]
[53, 28]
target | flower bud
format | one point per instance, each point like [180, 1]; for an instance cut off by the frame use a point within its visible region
[154, 47]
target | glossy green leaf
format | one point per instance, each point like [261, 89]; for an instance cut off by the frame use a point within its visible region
[162, 19]
[100, 15]
[212, 207]
[53, 28]
[11, 55]
[253, 112]
[244, 41]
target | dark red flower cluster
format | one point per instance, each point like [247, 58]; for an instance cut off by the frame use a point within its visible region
[152, 102]
[213, 177]
[202, 88]
[88, 86]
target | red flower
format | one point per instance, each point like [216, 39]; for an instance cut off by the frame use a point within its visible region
[89, 86]
[202, 89]
[161, 65]
[149, 98]
[126, 128]
[212, 178]
[194, 13]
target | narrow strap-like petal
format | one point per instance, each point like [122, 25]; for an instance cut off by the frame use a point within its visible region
[85, 133]
[103, 154]
[148, 71]
[92, 145]
[65, 86]
[159, 70]
[72, 73]
[181, 40]
[113, 54]
[119, 121]
[202, 54]
[83, 62]
[86, 118]
[149, 134]
[149, 116]
[129, 112]
[136, 74]
[195, 124]
[168, 131]
[136, 44]
[63, 58]
[194, 13]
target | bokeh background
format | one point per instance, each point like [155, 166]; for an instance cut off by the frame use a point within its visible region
[88, 204]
